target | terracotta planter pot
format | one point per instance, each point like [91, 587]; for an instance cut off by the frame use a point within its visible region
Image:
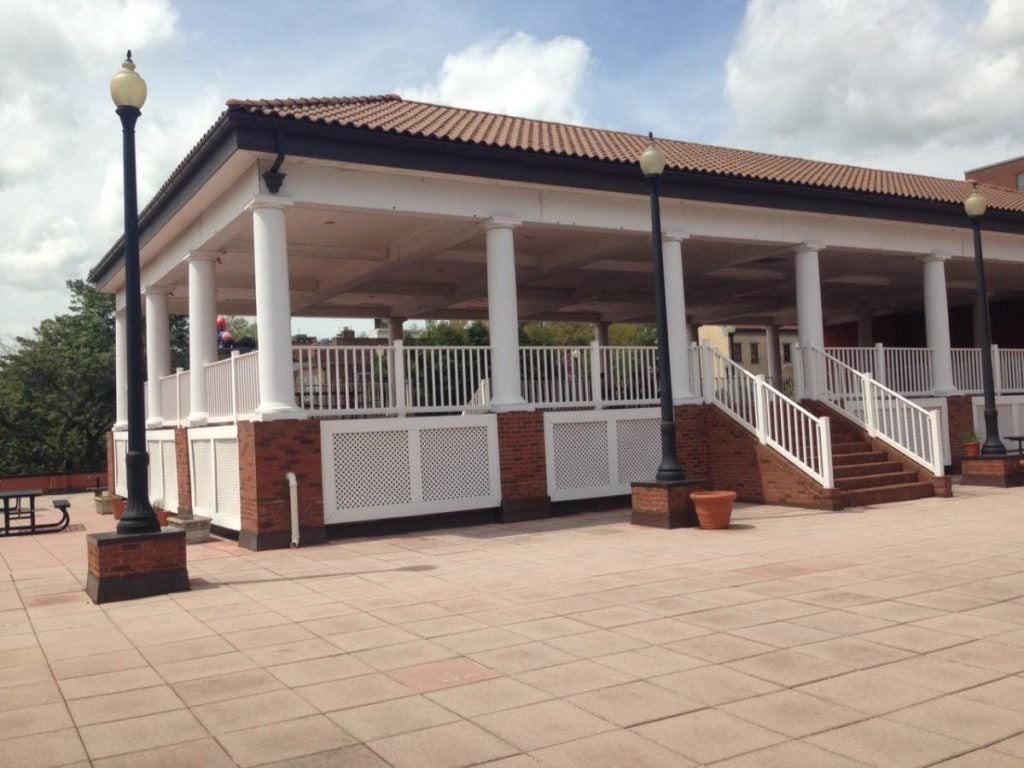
[119, 506]
[972, 449]
[714, 508]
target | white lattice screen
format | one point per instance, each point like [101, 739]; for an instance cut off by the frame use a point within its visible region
[599, 453]
[120, 472]
[163, 468]
[400, 467]
[215, 482]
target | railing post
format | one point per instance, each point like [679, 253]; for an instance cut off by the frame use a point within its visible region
[997, 370]
[595, 374]
[760, 410]
[938, 466]
[798, 372]
[707, 373]
[234, 385]
[825, 449]
[880, 372]
[870, 415]
[396, 375]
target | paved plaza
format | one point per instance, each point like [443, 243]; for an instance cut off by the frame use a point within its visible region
[883, 636]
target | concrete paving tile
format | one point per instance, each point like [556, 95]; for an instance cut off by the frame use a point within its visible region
[446, 673]
[284, 653]
[201, 753]
[204, 666]
[366, 639]
[963, 718]
[36, 719]
[404, 654]
[616, 616]
[488, 696]
[355, 756]
[790, 667]
[251, 711]
[791, 754]
[522, 658]
[391, 718]
[911, 637]
[183, 650]
[122, 706]
[972, 626]
[714, 685]
[649, 662]
[660, 631]
[600, 642]
[319, 670]
[284, 741]
[543, 724]
[257, 638]
[990, 654]
[24, 674]
[793, 713]
[445, 746]
[708, 735]
[782, 634]
[480, 640]
[843, 622]
[634, 703]
[221, 687]
[516, 761]
[981, 758]
[574, 677]
[353, 692]
[1008, 692]
[855, 652]
[719, 647]
[139, 733]
[870, 691]
[43, 750]
[109, 682]
[938, 673]
[888, 744]
[617, 748]
[721, 619]
[29, 695]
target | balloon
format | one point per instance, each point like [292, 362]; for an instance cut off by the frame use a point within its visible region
[222, 323]
[226, 337]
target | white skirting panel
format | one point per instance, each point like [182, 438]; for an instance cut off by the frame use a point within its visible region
[600, 453]
[1009, 413]
[216, 493]
[381, 468]
[163, 466]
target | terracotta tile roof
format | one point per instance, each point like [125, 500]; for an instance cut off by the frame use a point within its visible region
[393, 114]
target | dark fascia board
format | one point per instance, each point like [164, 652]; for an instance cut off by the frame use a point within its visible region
[360, 146]
[196, 170]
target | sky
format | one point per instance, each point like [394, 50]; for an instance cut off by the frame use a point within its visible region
[922, 86]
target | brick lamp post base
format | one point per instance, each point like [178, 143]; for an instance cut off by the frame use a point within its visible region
[664, 505]
[126, 567]
[995, 471]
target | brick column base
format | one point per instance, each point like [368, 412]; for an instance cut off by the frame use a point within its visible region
[996, 471]
[126, 567]
[524, 478]
[663, 505]
[961, 422]
[184, 472]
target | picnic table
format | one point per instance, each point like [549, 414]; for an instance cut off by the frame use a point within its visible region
[21, 505]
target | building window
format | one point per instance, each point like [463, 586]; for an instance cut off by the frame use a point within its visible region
[755, 355]
[737, 352]
[787, 353]
[1020, 182]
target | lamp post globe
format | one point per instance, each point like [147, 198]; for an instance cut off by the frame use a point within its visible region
[128, 92]
[974, 207]
[652, 164]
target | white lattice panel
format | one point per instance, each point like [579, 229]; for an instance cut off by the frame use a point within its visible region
[156, 469]
[216, 491]
[229, 494]
[581, 455]
[455, 464]
[120, 471]
[599, 453]
[400, 467]
[639, 445]
[170, 465]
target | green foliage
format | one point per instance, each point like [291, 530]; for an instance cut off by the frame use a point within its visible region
[242, 327]
[452, 333]
[57, 389]
[624, 335]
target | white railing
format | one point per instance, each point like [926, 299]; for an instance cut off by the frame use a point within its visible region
[907, 370]
[175, 397]
[882, 411]
[796, 433]
[557, 375]
[333, 379]
[967, 369]
[629, 375]
[232, 387]
[441, 379]
[1009, 364]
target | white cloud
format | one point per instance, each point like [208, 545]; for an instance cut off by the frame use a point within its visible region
[885, 83]
[519, 75]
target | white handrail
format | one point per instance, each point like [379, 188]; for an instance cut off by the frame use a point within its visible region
[797, 434]
[883, 412]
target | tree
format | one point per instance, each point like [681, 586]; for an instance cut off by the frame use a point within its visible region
[57, 389]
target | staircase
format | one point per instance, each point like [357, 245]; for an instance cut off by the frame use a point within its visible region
[864, 475]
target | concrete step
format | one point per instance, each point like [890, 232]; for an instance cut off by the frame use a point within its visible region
[871, 468]
[876, 481]
[887, 494]
[859, 458]
[861, 446]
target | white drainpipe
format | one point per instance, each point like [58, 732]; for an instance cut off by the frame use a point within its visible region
[293, 497]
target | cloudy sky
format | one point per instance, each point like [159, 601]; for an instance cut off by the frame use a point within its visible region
[927, 86]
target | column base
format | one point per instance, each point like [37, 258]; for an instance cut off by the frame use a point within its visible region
[130, 566]
[521, 510]
[154, 423]
[664, 504]
[262, 541]
[196, 527]
[120, 426]
[198, 419]
[994, 471]
[506, 406]
[279, 412]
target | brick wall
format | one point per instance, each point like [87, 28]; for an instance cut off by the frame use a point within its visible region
[267, 451]
[56, 483]
[961, 421]
[691, 440]
[524, 483]
[184, 471]
[124, 556]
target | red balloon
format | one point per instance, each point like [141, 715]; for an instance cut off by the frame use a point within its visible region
[222, 323]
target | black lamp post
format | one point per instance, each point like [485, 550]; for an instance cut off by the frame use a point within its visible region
[975, 206]
[652, 163]
[128, 91]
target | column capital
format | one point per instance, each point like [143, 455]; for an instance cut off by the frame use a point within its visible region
[200, 256]
[810, 245]
[157, 290]
[499, 222]
[935, 256]
[674, 236]
[269, 201]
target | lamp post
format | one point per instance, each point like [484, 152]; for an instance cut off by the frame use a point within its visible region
[974, 206]
[652, 163]
[128, 91]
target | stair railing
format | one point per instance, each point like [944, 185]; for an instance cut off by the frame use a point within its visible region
[798, 435]
[884, 413]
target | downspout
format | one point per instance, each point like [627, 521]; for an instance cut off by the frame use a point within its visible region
[274, 178]
[293, 498]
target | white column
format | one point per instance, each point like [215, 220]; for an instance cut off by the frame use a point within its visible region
[936, 319]
[675, 313]
[865, 329]
[158, 349]
[601, 334]
[396, 363]
[810, 321]
[121, 369]
[273, 306]
[202, 329]
[693, 333]
[771, 343]
[503, 315]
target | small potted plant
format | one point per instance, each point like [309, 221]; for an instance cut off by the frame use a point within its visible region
[972, 445]
[714, 508]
